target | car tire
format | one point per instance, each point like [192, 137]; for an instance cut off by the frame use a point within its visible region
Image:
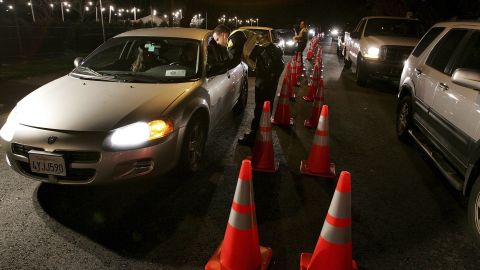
[404, 118]
[360, 75]
[193, 146]
[242, 99]
[474, 211]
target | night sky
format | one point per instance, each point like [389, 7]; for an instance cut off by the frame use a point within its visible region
[279, 13]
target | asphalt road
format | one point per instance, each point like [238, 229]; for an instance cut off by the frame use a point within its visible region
[405, 215]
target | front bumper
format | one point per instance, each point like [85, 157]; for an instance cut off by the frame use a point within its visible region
[87, 162]
[383, 70]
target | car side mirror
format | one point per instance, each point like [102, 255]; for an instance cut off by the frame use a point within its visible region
[216, 69]
[77, 61]
[355, 35]
[467, 77]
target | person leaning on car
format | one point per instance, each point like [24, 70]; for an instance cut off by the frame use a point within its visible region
[260, 55]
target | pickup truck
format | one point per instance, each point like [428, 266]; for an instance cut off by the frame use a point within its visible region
[378, 47]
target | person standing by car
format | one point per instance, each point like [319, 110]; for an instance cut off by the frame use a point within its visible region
[302, 39]
[260, 55]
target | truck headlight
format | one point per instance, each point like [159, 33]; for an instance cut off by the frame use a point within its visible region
[8, 129]
[140, 132]
[373, 53]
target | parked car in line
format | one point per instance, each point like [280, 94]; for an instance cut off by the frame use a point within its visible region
[141, 104]
[287, 43]
[439, 106]
[379, 45]
[265, 32]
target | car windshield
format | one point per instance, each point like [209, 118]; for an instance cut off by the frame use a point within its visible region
[285, 34]
[394, 27]
[143, 60]
[262, 33]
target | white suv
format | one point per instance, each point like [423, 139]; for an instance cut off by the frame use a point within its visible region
[439, 106]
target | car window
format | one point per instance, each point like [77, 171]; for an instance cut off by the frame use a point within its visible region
[144, 59]
[394, 27]
[426, 40]
[469, 57]
[361, 27]
[443, 51]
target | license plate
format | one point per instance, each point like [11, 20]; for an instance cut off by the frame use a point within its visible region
[47, 163]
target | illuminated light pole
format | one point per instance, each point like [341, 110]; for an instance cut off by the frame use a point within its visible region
[110, 14]
[61, 8]
[257, 21]
[101, 17]
[31, 7]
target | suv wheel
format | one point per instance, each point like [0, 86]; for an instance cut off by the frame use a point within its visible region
[193, 146]
[360, 74]
[474, 211]
[404, 117]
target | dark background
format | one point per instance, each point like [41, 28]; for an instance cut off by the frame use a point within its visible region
[21, 38]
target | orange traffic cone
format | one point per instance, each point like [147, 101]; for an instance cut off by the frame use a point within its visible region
[282, 112]
[318, 162]
[312, 121]
[334, 246]
[312, 89]
[299, 67]
[286, 80]
[293, 73]
[263, 159]
[310, 52]
[240, 249]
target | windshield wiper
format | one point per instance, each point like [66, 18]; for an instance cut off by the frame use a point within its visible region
[89, 70]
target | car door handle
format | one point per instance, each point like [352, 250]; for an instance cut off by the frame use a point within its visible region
[443, 86]
[418, 71]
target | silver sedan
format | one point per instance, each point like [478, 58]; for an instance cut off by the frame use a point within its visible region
[141, 104]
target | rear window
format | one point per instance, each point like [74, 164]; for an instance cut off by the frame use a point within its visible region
[426, 40]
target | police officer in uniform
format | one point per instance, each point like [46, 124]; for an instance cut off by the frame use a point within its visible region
[260, 55]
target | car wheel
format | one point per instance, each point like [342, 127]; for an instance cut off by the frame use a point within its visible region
[474, 211]
[346, 60]
[404, 117]
[242, 99]
[360, 75]
[193, 146]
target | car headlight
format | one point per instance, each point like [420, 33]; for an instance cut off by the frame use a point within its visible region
[311, 32]
[373, 53]
[140, 132]
[290, 43]
[8, 129]
[334, 32]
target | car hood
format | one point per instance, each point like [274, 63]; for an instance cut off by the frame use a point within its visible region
[74, 104]
[389, 40]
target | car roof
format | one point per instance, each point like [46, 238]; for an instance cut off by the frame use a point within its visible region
[176, 32]
[459, 24]
[256, 27]
[390, 17]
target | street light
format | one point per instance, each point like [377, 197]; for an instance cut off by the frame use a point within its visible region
[110, 14]
[31, 7]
